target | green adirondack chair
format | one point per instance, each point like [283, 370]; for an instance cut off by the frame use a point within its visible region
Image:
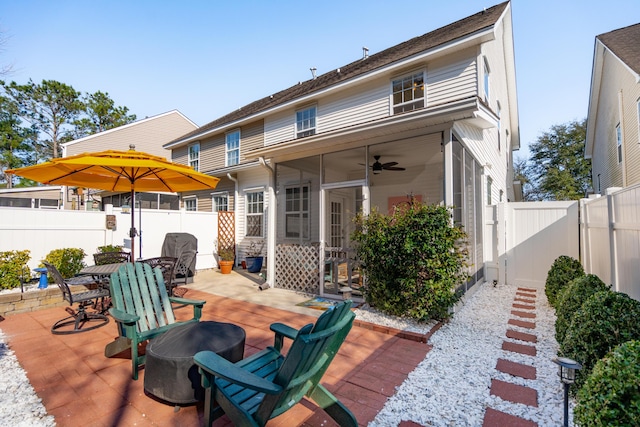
[254, 390]
[142, 308]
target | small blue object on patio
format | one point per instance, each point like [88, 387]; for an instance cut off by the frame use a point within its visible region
[44, 281]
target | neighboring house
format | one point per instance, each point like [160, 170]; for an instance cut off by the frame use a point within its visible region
[147, 135]
[45, 197]
[434, 118]
[613, 121]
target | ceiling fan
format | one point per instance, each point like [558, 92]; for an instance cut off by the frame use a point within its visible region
[378, 167]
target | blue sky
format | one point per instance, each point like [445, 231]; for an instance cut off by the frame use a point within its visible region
[206, 58]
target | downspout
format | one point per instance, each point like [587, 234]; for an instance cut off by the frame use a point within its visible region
[271, 228]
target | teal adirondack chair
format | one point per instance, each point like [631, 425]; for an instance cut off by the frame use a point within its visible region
[142, 308]
[254, 390]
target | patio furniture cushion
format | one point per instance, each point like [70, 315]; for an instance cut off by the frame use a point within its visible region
[170, 372]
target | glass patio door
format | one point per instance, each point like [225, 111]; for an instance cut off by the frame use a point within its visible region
[340, 265]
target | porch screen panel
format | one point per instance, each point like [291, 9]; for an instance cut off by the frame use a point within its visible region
[469, 206]
[457, 182]
[479, 235]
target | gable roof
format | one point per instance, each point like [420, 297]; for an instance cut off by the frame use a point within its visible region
[625, 44]
[464, 27]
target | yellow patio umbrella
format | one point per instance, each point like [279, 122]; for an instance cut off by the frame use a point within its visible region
[113, 170]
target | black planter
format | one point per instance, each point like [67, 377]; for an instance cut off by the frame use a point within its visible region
[254, 264]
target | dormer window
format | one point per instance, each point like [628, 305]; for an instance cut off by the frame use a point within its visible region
[408, 93]
[306, 122]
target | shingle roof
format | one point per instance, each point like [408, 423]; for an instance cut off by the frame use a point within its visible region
[625, 44]
[448, 33]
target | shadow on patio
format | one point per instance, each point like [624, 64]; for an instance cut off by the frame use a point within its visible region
[79, 386]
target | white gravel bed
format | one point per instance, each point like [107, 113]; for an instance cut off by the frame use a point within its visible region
[451, 387]
[19, 404]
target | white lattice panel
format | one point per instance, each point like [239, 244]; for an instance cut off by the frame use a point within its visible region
[297, 268]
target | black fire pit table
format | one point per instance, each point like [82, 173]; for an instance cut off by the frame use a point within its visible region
[169, 372]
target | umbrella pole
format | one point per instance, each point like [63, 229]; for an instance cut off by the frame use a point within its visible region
[132, 230]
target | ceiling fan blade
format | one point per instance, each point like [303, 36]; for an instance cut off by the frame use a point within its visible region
[388, 164]
[393, 168]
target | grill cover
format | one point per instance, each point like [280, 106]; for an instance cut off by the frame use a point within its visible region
[175, 244]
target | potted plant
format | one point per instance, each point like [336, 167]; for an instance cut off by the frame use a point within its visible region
[254, 256]
[226, 259]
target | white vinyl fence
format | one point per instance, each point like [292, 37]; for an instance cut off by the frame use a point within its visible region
[610, 233]
[535, 234]
[43, 230]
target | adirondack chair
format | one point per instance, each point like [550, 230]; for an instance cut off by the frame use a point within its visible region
[261, 387]
[142, 308]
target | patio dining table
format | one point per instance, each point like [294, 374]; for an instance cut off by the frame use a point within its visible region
[104, 270]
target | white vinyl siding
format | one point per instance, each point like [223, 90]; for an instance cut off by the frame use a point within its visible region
[148, 135]
[446, 80]
[449, 81]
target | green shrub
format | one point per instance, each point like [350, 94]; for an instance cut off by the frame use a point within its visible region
[68, 261]
[571, 299]
[563, 270]
[605, 320]
[412, 260]
[109, 248]
[13, 268]
[611, 394]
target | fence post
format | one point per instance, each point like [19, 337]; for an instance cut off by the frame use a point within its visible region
[611, 219]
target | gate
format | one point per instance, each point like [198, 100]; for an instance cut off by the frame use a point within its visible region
[536, 233]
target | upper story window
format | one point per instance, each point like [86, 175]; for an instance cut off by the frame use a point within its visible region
[255, 213]
[489, 190]
[194, 156]
[232, 148]
[190, 204]
[297, 219]
[619, 142]
[220, 201]
[408, 93]
[306, 122]
[487, 87]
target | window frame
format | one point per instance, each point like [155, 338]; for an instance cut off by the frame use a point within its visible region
[310, 129]
[214, 204]
[403, 106]
[619, 142]
[250, 213]
[187, 201]
[194, 162]
[303, 215]
[486, 80]
[229, 151]
[489, 191]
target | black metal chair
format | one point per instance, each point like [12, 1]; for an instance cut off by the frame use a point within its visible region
[79, 317]
[167, 265]
[111, 257]
[182, 274]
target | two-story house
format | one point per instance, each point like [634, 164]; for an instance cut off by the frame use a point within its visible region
[434, 118]
[613, 120]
